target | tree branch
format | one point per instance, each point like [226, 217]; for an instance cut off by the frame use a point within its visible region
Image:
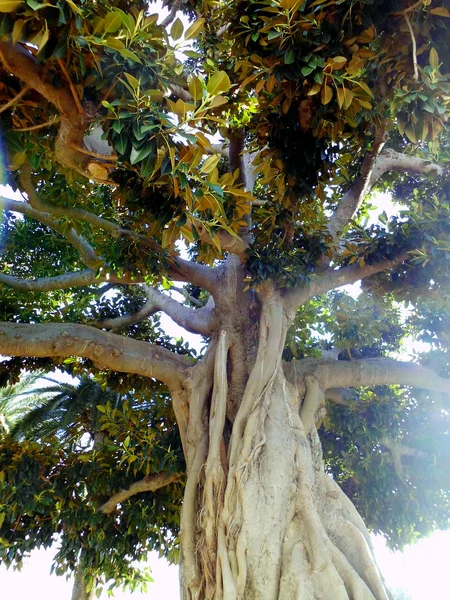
[398, 450]
[106, 350]
[20, 62]
[334, 278]
[22, 93]
[151, 483]
[187, 271]
[367, 372]
[115, 325]
[63, 282]
[196, 321]
[374, 166]
[87, 253]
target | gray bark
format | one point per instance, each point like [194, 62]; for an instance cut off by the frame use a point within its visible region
[79, 588]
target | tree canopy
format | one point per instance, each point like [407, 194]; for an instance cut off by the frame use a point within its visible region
[218, 165]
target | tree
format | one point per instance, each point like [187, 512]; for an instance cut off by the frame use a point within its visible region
[258, 152]
[12, 406]
[71, 441]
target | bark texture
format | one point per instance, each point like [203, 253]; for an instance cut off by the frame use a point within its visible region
[79, 588]
[261, 519]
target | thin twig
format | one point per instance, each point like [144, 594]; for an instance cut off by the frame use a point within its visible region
[409, 9]
[112, 158]
[41, 126]
[414, 47]
[22, 92]
[72, 87]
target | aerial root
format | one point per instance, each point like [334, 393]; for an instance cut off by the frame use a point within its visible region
[214, 485]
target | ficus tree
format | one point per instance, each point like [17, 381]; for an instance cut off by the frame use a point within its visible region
[230, 157]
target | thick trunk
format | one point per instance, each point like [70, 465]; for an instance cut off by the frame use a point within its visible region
[261, 519]
[79, 588]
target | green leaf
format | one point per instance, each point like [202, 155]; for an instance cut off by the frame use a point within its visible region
[289, 57]
[218, 83]
[132, 81]
[177, 29]
[112, 23]
[137, 155]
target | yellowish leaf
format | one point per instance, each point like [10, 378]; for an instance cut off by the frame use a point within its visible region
[218, 101]
[215, 240]
[9, 5]
[363, 85]
[440, 11]
[337, 62]
[113, 21]
[367, 36]
[210, 163]
[132, 81]
[195, 88]
[326, 94]
[218, 83]
[17, 31]
[270, 84]
[355, 65]
[436, 128]
[259, 86]
[169, 235]
[194, 29]
[315, 89]
[176, 188]
[186, 232]
[365, 104]
[411, 133]
[434, 59]
[17, 160]
[291, 4]
[348, 98]
[177, 29]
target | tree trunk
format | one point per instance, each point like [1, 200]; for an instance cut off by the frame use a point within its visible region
[79, 587]
[261, 519]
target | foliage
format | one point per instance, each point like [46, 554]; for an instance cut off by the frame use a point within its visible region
[80, 445]
[111, 126]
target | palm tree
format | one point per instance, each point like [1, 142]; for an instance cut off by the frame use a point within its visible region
[60, 407]
[16, 401]
[65, 410]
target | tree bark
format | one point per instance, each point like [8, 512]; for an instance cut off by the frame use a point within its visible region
[79, 587]
[261, 520]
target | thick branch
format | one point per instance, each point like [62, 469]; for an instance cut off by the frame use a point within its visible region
[193, 272]
[151, 483]
[107, 350]
[334, 278]
[49, 284]
[367, 372]
[374, 166]
[353, 198]
[398, 450]
[21, 63]
[195, 321]
[63, 282]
